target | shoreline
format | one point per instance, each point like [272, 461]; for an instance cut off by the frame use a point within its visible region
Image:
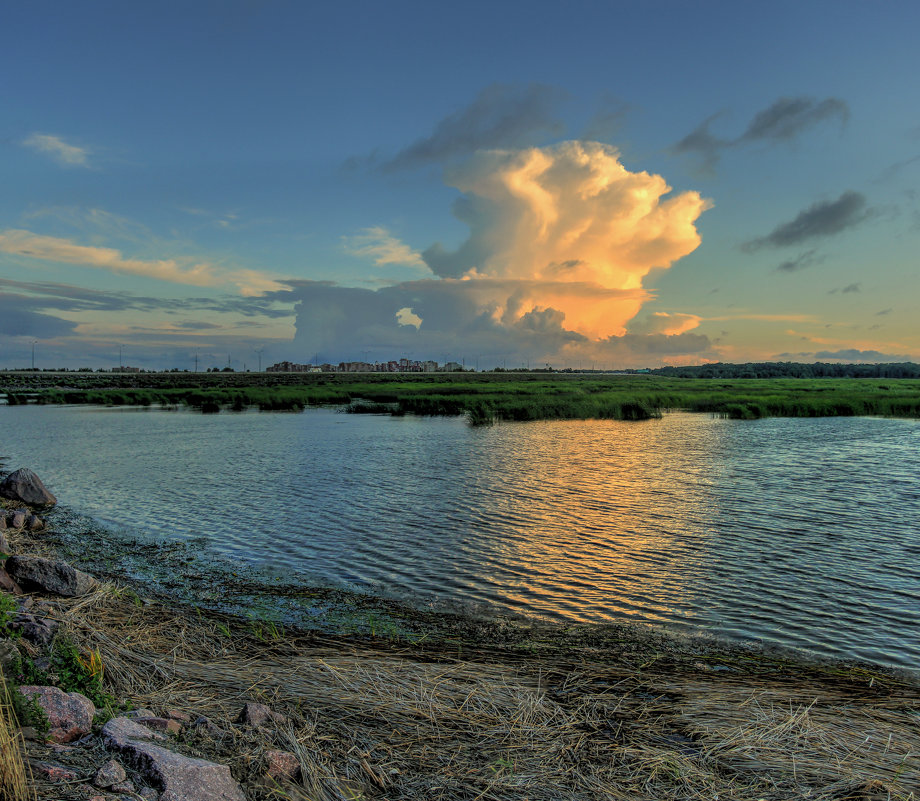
[464, 708]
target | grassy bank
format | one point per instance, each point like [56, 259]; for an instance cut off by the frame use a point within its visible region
[460, 708]
[482, 397]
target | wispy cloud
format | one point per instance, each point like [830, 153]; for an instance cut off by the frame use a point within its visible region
[64, 251]
[847, 290]
[63, 153]
[822, 219]
[502, 115]
[378, 244]
[782, 121]
[800, 262]
[787, 117]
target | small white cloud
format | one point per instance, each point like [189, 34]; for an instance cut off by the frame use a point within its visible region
[58, 149]
[405, 316]
[379, 244]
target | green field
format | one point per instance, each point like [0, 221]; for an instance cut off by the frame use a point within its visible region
[482, 397]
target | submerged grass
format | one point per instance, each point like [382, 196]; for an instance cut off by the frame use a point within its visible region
[485, 398]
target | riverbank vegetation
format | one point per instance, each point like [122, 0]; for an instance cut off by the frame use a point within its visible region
[456, 708]
[482, 397]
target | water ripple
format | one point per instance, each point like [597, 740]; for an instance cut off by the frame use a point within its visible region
[801, 532]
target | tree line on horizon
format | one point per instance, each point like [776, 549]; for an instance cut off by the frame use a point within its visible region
[792, 370]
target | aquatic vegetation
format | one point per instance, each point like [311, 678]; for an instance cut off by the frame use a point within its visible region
[488, 397]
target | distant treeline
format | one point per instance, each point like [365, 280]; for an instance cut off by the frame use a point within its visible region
[793, 370]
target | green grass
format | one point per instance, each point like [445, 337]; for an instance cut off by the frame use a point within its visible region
[487, 397]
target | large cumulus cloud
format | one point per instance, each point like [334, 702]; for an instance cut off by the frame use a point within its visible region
[560, 240]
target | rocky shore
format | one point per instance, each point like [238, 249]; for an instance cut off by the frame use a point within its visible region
[109, 695]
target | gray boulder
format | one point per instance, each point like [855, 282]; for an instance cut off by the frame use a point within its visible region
[37, 630]
[33, 573]
[24, 486]
[181, 778]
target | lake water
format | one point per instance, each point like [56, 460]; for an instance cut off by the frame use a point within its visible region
[800, 532]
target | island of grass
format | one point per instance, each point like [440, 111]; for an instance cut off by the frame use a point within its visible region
[482, 397]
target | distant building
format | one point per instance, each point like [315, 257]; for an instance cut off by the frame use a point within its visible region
[289, 367]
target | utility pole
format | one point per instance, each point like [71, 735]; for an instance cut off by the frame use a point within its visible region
[121, 363]
[33, 353]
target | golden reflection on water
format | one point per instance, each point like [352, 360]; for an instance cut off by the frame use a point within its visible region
[594, 523]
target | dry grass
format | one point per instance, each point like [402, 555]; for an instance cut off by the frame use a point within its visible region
[385, 720]
[15, 778]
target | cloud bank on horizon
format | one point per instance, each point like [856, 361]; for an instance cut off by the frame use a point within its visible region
[560, 240]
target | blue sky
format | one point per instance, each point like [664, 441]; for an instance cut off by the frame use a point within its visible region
[616, 184]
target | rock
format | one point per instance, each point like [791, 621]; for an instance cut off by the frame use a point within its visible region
[160, 724]
[207, 726]
[24, 486]
[10, 658]
[37, 630]
[7, 584]
[110, 773]
[127, 786]
[143, 712]
[281, 765]
[17, 519]
[52, 771]
[181, 778]
[148, 794]
[176, 714]
[258, 715]
[3, 521]
[5, 546]
[35, 523]
[70, 715]
[46, 575]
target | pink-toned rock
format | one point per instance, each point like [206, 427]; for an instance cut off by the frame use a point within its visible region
[161, 724]
[70, 715]
[127, 786]
[7, 584]
[17, 519]
[258, 715]
[281, 765]
[176, 714]
[52, 771]
[110, 773]
[180, 777]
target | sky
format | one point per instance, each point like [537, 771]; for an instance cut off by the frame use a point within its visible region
[582, 184]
